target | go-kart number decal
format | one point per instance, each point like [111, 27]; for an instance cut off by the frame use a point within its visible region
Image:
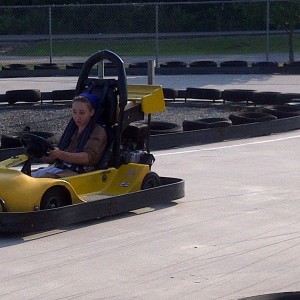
[131, 173]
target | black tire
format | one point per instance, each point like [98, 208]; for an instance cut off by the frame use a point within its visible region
[55, 197]
[74, 66]
[138, 65]
[251, 117]
[160, 127]
[181, 94]
[202, 93]
[292, 64]
[29, 95]
[237, 95]
[172, 64]
[62, 95]
[15, 67]
[170, 93]
[283, 111]
[46, 66]
[234, 63]
[265, 64]
[151, 180]
[203, 64]
[294, 103]
[205, 123]
[288, 97]
[266, 98]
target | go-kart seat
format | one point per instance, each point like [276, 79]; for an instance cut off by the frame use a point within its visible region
[105, 115]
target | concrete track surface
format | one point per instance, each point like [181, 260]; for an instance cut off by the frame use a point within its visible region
[236, 233]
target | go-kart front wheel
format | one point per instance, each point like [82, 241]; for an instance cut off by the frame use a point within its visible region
[151, 180]
[54, 198]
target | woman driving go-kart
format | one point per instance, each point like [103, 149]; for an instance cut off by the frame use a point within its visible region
[81, 151]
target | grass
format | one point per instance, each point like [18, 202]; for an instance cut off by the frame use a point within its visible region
[179, 46]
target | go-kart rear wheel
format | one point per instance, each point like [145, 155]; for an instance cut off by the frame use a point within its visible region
[151, 180]
[54, 198]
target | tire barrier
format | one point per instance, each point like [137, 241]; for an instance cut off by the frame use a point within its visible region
[181, 94]
[265, 64]
[173, 64]
[160, 127]
[179, 67]
[250, 117]
[203, 64]
[291, 64]
[74, 66]
[170, 93]
[30, 95]
[60, 95]
[46, 66]
[138, 65]
[234, 63]
[15, 67]
[283, 111]
[238, 95]
[294, 103]
[267, 98]
[288, 97]
[202, 93]
[161, 139]
[188, 125]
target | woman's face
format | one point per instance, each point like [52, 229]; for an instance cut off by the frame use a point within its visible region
[81, 113]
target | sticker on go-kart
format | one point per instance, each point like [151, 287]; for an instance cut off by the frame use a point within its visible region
[13, 161]
[131, 173]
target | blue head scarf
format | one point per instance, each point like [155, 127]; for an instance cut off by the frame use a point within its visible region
[92, 98]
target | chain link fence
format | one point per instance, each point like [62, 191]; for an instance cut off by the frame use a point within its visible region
[182, 31]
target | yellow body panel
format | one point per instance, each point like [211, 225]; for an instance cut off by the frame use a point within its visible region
[128, 178]
[23, 193]
[151, 97]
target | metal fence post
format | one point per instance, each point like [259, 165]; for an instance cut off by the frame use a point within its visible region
[50, 35]
[151, 71]
[268, 31]
[156, 34]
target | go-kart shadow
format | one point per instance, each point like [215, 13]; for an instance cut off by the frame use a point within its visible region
[11, 239]
[123, 215]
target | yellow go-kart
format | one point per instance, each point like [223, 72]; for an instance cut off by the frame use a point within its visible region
[123, 181]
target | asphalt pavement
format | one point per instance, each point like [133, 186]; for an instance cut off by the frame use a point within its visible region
[236, 233]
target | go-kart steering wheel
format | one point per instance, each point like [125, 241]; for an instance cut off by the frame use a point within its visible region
[35, 145]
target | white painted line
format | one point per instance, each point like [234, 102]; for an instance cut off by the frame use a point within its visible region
[229, 146]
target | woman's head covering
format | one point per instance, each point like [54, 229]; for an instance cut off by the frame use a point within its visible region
[92, 98]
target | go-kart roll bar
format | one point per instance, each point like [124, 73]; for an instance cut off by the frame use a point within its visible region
[121, 82]
[117, 61]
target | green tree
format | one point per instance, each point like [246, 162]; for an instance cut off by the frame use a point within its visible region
[286, 15]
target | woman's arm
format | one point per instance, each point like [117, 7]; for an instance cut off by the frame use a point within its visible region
[80, 158]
